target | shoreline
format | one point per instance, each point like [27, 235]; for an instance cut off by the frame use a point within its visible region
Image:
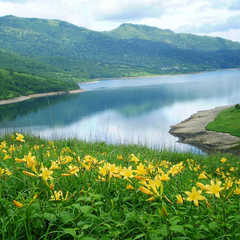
[192, 131]
[164, 74]
[38, 95]
[93, 81]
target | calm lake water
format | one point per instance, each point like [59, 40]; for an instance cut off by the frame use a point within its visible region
[138, 111]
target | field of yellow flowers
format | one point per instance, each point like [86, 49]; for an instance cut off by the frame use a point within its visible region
[68, 189]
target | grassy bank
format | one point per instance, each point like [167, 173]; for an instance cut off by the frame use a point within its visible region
[227, 121]
[75, 190]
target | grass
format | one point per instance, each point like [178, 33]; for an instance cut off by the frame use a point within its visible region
[68, 189]
[227, 121]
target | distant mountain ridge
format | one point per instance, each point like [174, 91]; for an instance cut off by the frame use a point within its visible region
[180, 40]
[57, 49]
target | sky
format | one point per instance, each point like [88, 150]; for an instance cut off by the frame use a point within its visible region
[204, 17]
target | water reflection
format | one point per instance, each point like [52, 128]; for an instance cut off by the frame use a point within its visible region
[138, 111]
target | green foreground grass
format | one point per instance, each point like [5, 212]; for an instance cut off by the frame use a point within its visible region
[227, 121]
[68, 189]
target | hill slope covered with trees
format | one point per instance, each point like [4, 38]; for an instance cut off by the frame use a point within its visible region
[65, 52]
[14, 84]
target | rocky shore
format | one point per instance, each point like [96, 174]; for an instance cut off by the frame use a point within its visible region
[192, 131]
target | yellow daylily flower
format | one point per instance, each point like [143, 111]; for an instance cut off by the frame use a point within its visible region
[46, 173]
[6, 156]
[179, 199]
[129, 187]
[29, 174]
[202, 175]
[164, 177]
[127, 172]
[176, 169]
[164, 163]
[215, 188]
[141, 170]
[237, 191]
[120, 157]
[67, 159]
[103, 171]
[1, 171]
[20, 160]
[133, 158]
[54, 165]
[3, 145]
[11, 148]
[36, 147]
[7, 172]
[145, 190]
[31, 161]
[223, 160]
[58, 196]
[33, 199]
[237, 181]
[195, 196]
[17, 204]
[73, 169]
[20, 137]
[202, 186]
[228, 183]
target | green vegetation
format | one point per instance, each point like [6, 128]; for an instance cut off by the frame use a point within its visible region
[70, 189]
[182, 40]
[227, 121]
[65, 51]
[14, 84]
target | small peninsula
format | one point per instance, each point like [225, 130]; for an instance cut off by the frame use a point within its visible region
[193, 131]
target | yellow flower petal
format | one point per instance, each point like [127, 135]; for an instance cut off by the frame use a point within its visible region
[17, 204]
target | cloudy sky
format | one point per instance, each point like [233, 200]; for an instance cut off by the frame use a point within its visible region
[204, 17]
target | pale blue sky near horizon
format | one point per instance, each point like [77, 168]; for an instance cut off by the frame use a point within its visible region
[220, 18]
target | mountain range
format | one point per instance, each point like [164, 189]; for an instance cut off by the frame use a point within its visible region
[65, 52]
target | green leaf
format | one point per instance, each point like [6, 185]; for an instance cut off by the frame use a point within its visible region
[97, 197]
[84, 199]
[86, 209]
[203, 227]
[88, 238]
[163, 230]
[189, 226]
[213, 226]
[76, 205]
[66, 217]
[177, 229]
[99, 203]
[50, 217]
[86, 226]
[174, 220]
[163, 212]
[70, 231]
[140, 236]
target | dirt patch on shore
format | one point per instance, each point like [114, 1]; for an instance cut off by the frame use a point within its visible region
[38, 95]
[193, 131]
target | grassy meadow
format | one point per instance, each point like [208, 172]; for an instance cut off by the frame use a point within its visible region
[227, 121]
[68, 189]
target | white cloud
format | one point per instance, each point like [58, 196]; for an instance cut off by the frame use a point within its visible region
[205, 16]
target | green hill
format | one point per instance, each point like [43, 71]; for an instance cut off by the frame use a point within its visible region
[14, 84]
[63, 51]
[181, 40]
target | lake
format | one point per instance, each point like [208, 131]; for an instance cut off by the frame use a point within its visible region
[126, 111]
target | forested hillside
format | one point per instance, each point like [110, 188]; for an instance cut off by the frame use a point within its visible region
[180, 40]
[63, 51]
[14, 84]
